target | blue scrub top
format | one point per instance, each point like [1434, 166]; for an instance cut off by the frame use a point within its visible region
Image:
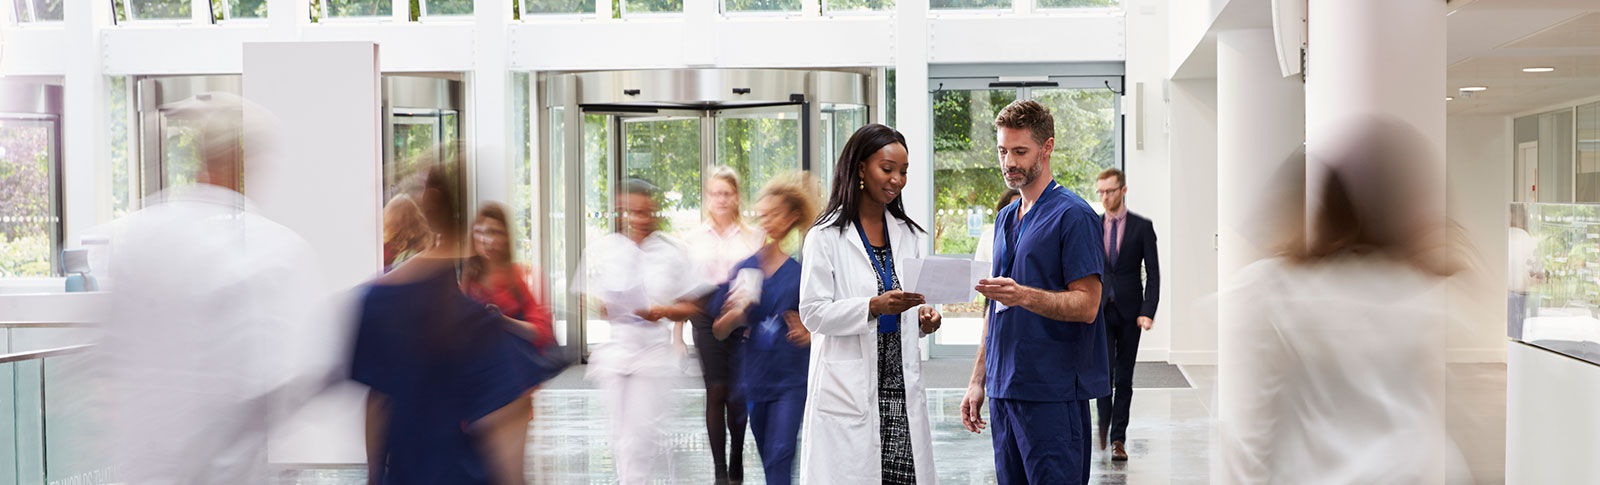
[1030, 357]
[772, 367]
[444, 361]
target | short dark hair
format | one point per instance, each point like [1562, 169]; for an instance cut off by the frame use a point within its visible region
[634, 186]
[1028, 115]
[1111, 172]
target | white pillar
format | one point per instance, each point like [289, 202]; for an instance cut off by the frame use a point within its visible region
[83, 124]
[913, 110]
[1376, 58]
[490, 97]
[1260, 124]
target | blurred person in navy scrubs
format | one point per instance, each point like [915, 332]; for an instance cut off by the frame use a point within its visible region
[1043, 355]
[450, 377]
[643, 283]
[776, 351]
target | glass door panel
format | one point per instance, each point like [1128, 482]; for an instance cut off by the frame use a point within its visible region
[760, 144]
[30, 200]
[665, 151]
[1086, 136]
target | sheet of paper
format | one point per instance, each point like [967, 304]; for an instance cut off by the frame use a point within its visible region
[945, 280]
[620, 303]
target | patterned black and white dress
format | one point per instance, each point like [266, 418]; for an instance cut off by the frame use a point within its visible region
[894, 428]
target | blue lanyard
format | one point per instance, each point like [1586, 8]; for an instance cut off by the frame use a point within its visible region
[886, 323]
[1010, 252]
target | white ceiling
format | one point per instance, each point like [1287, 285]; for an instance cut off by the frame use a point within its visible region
[1492, 40]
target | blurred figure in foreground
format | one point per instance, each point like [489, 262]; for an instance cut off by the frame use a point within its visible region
[985, 249]
[492, 277]
[716, 247]
[450, 377]
[1336, 373]
[776, 351]
[405, 231]
[643, 283]
[213, 310]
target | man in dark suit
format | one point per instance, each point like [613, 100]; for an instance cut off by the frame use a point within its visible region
[1130, 303]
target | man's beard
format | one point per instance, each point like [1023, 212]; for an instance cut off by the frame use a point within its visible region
[1028, 176]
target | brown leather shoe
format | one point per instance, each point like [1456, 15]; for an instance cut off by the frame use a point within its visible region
[1104, 430]
[1117, 453]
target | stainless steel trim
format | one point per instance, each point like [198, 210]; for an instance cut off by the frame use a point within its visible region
[716, 87]
[32, 99]
[43, 354]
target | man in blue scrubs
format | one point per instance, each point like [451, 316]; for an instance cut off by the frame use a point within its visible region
[1043, 356]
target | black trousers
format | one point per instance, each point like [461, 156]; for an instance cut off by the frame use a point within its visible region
[1122, 338]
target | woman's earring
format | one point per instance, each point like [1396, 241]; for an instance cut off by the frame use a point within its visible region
[863, 184]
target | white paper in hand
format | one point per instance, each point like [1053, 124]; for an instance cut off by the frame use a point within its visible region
[943, 281]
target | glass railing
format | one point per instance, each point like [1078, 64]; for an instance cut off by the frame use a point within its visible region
[1553, 282]
[51, 405]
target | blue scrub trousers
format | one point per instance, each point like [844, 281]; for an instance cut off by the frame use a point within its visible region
[776, 425]
[1040, 442]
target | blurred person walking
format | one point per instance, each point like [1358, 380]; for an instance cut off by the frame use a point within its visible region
[1336, 373]
[450, 377]
[866, 412]
[643, 282]
[716, 247]
[492, 276]
[215, 334]
[776, 348]
[985, 249]
[405, 231]
[1132, 284]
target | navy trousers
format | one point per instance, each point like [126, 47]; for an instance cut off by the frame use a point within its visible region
[1040, 442]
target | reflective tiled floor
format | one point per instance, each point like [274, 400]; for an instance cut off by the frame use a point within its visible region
[1168, 437]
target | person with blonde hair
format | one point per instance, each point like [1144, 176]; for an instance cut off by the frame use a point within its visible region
[716, 247]
[775, 348]
[405, 231]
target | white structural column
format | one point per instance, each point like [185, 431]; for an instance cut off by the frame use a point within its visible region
[1260, 125]
[83, 124]
[489, 98]
[913, 111]
[1377, 58]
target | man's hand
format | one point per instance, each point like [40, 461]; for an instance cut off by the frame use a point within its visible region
[1006, 291]
[929, 319]
[972, 409]
[1146, 323]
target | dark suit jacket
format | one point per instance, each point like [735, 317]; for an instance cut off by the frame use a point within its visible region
[1122, 276]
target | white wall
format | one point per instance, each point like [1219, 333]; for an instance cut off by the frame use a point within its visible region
[1552, 429]
[1149, 169]
[1478, 167]
[1193, 201]
[325, 187]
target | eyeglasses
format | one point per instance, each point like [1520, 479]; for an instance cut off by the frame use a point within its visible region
[1104, 193]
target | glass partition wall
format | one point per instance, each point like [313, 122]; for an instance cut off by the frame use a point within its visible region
[671, 127]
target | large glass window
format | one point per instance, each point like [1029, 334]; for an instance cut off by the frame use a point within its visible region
[353, 8]
[545, 7]
[30, 220]
[239, 9]
[38, 10]
[1077, 3]
[759, 144]
[652, 6]
[969, 4]
[666, 152]
[857, 5]
[967, 181]
[1588, 147]
[124, 185]
[158, 9]
[761, 5]
[1545, 171]
[445, 7]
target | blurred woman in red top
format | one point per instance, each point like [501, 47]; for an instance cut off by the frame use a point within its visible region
[491, 277]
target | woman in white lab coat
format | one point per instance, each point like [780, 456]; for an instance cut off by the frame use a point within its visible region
[866, 418]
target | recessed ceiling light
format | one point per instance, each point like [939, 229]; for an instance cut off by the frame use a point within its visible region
[1538, 69]
[1474, 88]
[1447, 98]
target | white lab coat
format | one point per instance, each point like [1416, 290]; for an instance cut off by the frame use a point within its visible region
[839, 434]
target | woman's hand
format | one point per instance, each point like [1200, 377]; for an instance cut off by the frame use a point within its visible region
[893, 302]
[929, 319]
[798, 334]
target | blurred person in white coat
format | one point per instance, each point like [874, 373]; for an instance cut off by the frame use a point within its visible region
[215, 335]
[1335, 371]
[643, 282]
[866, 413]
